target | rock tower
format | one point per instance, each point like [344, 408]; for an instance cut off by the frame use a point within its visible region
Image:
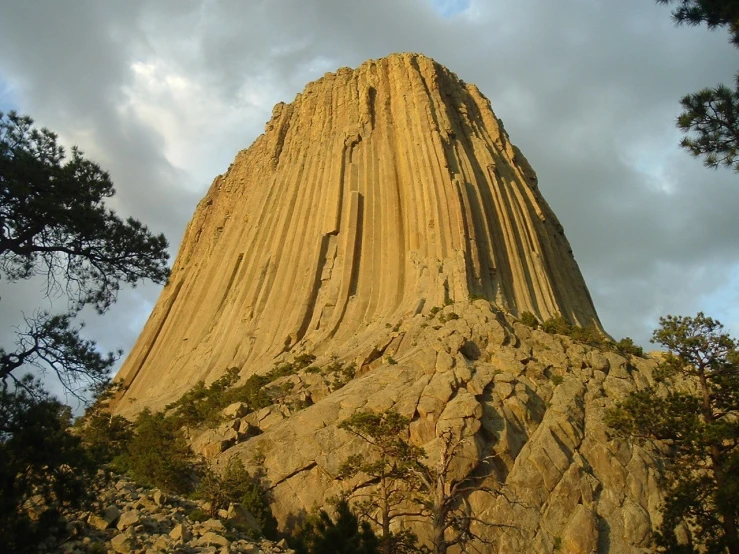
[376, 195]
[385, 224]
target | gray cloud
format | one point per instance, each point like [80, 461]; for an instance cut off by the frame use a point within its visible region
[588, 90]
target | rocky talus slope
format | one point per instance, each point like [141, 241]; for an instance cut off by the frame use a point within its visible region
[376, 194]
[127, 518]
[529, 404]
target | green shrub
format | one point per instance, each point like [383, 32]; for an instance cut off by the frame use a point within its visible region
[304, 360]
[97, 548]
[198, 515]
[341, 373]
[320, 534]
[349, 371]
[105, 437]
[443, 318]
[626, 346]
[557, 325]
[40, 459]
[589, 335]
[250, 492]
[529, 319]
[211, 489]
[203, 405]
[557, 380]
[237, 485]
[158, 454]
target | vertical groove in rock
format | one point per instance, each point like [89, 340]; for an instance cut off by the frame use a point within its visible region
[376, 191]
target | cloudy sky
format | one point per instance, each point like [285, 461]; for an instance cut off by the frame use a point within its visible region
[164, 93]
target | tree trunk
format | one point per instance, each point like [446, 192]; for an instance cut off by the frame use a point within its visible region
[732, 537]
[439, 542]
[728, 522]
[387, 547]
[438, 516]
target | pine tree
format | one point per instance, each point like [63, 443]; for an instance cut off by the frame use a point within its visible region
[391, 473]
[697, 417]
[711, 114]
[54, 225]
[43, 467]
[342, 535]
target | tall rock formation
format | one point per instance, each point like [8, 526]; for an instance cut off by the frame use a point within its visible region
[378, 194]
[385, 220]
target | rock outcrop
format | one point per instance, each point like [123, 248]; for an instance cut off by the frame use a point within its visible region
[128, 518]
[378, 193]
[530, 406]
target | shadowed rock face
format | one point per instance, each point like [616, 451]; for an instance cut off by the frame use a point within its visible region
[376, 195]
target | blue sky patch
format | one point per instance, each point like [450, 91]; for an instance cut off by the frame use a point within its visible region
[448, 8]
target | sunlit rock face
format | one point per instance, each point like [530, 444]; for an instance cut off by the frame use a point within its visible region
[376, 195]
[384, 219]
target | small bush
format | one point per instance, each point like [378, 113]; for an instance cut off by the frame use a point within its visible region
[259, 457]
[530, 320]
[589, 335]
[349, 371]
[557, 379]
[158, 454]
[344, 533]
[237, 485]
[105, 437]
[198, 515]
[391, 360]
[97, 548]
[212, 490]
[304, 360]
[626, 346]
[341, 374]
[443, 318]
[557, 325]
[203, 405]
